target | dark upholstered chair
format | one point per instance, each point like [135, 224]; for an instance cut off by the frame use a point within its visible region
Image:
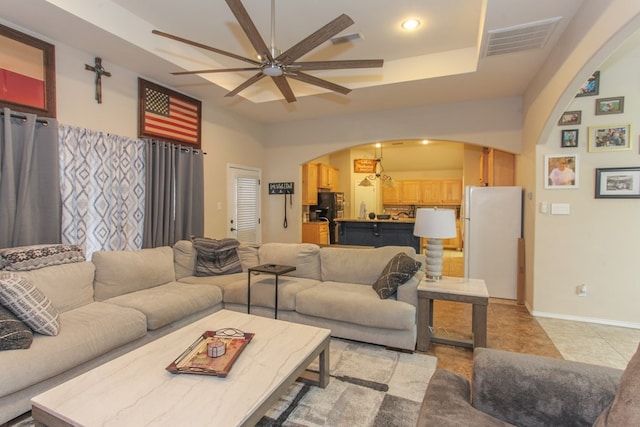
[526, 390]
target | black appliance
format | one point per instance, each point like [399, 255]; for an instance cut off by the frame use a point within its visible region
[329, 208]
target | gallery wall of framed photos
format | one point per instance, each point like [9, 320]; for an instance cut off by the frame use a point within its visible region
[597, 133]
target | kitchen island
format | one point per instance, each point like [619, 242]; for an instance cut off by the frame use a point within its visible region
[378, 232]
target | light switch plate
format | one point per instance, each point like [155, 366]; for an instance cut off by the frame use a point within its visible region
[560, 209]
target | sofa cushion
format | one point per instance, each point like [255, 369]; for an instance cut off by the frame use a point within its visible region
[263, 291]
[184, 259]
[360, 266]
[121, 272]
[25, 258]
[625, 408]
[215, 257]
[305, 257]
[30, 305]
[353, 303]
[220, 281]
[14, 334]
[399, 270]
[170, 302]
[68, 286]
[87, 332]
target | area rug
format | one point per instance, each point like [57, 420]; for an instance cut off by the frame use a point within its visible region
[369, 386]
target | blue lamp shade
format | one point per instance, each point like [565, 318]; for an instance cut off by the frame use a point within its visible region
[434, 223]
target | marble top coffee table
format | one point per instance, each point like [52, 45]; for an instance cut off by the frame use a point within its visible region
[136, 390]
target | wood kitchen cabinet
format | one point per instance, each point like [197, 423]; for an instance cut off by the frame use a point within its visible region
[451, 191]
[328, 177]
[423, 192]
[411, 192]
[315, 232]
[309, 184]
[431, 192]
[497, 168]
[334, 178]
[391, 194]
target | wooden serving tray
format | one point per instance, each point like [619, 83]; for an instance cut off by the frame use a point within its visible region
[194, 360]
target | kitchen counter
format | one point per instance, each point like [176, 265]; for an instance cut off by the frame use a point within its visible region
[378, 232]
[399, 220]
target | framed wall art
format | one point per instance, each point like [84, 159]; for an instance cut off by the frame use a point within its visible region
[618, 183]
[610, 137]
[613, 105]
[168, 115]
[569, 138]
[27, 73]
[570, 118]
[591, 87]
[561, 172]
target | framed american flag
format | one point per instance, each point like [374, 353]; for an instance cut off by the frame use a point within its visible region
[168, 115]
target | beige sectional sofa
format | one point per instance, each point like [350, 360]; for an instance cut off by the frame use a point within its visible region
[121, 300]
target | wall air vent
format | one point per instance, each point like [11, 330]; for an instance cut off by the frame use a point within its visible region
[532, 35]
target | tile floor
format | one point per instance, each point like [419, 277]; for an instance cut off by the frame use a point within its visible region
[511, 327]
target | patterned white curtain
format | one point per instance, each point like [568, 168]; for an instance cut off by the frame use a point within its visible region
[102, 181]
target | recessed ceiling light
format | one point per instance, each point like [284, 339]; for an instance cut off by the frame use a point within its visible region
[410, 24]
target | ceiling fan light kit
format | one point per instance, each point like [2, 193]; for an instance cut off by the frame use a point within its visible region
[280, 66]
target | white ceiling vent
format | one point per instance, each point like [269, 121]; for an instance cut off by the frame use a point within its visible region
[532, 35]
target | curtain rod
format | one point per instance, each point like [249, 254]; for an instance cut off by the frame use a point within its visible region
[43, 122]
[178, 146]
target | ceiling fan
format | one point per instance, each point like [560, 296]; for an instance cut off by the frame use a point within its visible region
[281, 65]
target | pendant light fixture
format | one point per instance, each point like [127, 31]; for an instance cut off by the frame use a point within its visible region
[379, 172]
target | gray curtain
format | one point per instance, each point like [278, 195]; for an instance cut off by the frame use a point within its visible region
[29, 180]
[174, 197]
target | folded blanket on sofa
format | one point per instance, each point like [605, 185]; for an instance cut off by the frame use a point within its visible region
[215, 257]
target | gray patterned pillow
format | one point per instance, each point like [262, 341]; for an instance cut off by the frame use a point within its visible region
[215, 257]
[37, 256]
[30, 305]
[14, 334]
[399, 270]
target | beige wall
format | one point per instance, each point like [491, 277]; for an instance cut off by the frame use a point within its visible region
[567, 251]
[597, 243]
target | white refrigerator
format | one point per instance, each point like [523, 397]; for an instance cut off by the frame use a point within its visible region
[492, 226]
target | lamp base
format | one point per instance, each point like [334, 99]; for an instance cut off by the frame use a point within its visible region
[434, 253]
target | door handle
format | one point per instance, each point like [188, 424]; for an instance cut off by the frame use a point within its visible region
[233, 229]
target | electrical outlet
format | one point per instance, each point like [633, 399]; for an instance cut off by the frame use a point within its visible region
[581, 290]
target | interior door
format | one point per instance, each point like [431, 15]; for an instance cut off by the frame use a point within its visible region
[243, 200]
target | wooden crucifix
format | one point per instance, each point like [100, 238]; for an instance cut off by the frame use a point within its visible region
[100, 71]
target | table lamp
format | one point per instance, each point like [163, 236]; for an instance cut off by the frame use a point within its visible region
[435, 224]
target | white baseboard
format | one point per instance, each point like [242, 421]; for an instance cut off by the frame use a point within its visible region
[585, 319]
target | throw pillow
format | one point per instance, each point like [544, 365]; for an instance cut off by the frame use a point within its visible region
[37, 256]
[399, 270]
[30, 305]
[216, 257]
[625, 408]
[14, 334]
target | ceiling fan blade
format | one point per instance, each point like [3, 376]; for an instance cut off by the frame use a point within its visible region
[308, 78]
[204, 46]
[246, 84]
[336, 65]
[284, 87]
[314, 40]
[249, 28]
[181, 73]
